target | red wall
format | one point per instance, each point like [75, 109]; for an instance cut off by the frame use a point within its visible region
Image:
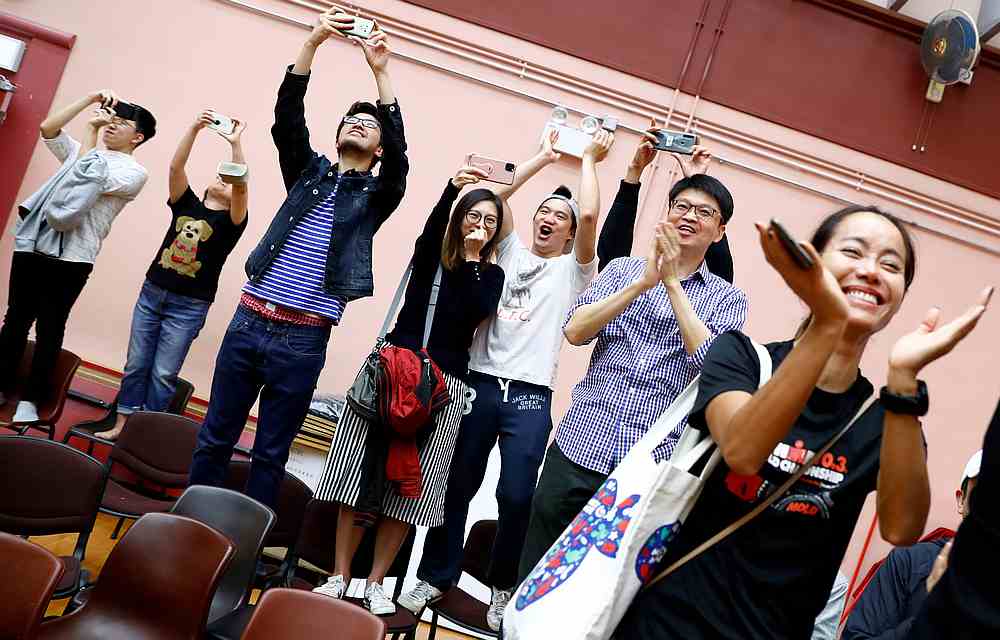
[841, 70]
[37, 79]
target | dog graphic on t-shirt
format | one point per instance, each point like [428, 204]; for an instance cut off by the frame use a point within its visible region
[182, 254]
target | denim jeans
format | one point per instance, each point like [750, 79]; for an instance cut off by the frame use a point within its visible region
[518, 415]
[281, 362]
[164, 325]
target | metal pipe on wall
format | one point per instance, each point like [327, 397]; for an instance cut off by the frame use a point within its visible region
[907, 198]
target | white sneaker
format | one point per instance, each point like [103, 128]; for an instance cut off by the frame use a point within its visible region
[420, 596]
[498, 604]
[335, 586]
[26, 412]
[377, 602]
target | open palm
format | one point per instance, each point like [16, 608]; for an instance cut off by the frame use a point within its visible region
[931, 340]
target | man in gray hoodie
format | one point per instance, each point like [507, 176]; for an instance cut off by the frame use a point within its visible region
[60, 232]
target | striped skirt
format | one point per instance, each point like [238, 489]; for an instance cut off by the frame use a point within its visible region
[341, 479]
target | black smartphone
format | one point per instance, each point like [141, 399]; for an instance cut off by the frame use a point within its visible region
[125, 111]
[799, 255]
[675, 141]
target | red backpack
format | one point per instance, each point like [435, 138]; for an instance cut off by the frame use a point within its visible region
[411, 389]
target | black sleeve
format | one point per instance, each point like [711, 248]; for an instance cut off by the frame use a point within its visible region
[186, 202]
[480, 285]
[430, 240]
[731, 365]
[394, 164]
[881, 611]
[615, 240]
[290, 134]
[720, 259]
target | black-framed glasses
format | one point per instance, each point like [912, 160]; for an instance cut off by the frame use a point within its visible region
[489, 221]
[704, 213]
[370, 124]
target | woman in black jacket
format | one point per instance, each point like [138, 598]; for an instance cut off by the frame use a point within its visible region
[470, 289]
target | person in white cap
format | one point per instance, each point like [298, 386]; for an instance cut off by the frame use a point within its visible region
[887, 608]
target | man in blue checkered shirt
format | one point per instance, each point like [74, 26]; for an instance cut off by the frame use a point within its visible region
[654, 318]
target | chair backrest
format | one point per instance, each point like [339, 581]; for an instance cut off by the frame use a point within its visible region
[30, 577]
[182, 394]
[48, 487]
[157, 447]
[478, 547]
[318, 543]
[161, 575]
[293, 497]
[291, 614]
[50, 407]
[246, 522]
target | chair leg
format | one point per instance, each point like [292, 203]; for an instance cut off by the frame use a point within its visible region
[434, 626]
[118, 528]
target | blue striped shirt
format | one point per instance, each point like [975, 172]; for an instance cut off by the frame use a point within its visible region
[639, 365]
[295, 278]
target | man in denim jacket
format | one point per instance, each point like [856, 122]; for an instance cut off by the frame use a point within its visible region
[315, 257]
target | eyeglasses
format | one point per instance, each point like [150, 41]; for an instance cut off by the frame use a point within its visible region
[682, 207]
[490, 221]
[371, 124]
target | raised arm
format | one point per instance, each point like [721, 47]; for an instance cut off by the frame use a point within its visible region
[241, 191]
[177, 179]
[590, 196]
[55, 121]
[774, 408]
[903, 498]
[290, 133]
[525, 171]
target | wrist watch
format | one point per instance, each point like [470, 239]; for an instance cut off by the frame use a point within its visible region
[906, 405]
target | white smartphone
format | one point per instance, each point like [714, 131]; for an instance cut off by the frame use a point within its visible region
[571, 140]
[222, 124]
[363, 27]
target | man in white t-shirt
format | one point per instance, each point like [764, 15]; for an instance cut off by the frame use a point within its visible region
[512, 371]
[61, 229]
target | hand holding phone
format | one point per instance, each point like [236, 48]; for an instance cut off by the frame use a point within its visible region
[498, 171]
[221, 123]
[797, 253]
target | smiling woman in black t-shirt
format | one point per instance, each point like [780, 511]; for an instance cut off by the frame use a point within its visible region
[771, 578]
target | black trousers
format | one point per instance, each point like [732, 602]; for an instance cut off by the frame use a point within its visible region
[42, 292]
[563, 490]
[964, 603]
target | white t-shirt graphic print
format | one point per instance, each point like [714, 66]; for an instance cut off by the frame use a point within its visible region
[522, 341]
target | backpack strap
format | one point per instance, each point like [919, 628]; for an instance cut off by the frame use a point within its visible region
[431, 304]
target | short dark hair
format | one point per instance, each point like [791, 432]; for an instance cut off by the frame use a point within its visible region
[453, 247]
[145, 123]
[362, 106]
[709, 186]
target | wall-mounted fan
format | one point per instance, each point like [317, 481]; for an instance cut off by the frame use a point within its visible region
[948, 50]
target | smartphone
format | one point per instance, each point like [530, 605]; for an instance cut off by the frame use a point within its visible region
[571, 140]
[610, 123]
[363, 27]
[498, 171]
[801, 258]
[125, 111]
[675, 141]
[222, 124]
